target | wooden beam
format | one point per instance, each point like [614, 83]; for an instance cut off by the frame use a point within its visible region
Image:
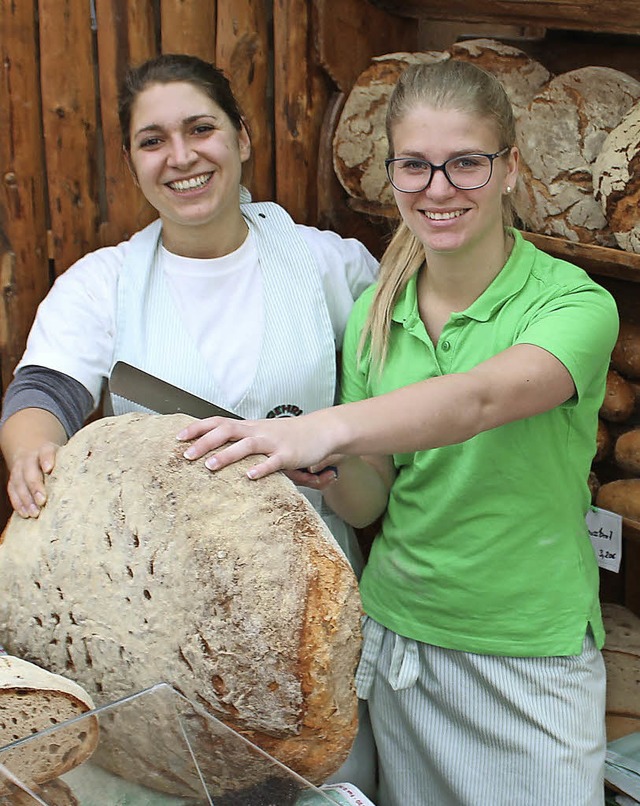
[243, 52]
[188, 26]
[350, 32]
[23, 228]
[613, 16]
[301, 95]
[126, 37]
[69, 121]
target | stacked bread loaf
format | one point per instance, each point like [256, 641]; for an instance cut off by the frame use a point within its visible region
[146, 568]
[578, 135]
[616, 467]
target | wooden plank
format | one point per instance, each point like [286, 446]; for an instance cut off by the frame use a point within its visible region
[242, 51]
[614, 16]
[301, 95]
[189, 27]
[339, 32]
[23, 231]
[125, 36]
[631, 577]
[600, 260]
[69, 122]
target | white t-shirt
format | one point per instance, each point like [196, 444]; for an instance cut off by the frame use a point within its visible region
[220, 299]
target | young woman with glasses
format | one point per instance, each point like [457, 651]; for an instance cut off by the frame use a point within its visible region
[472, 377]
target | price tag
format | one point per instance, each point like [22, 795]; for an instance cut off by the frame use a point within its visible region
[605, 531]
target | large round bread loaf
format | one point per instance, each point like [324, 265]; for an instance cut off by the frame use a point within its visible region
[360, 144]
[560, 134]
[521, 75]
[616, 180]
[33, 700]
[144, 567]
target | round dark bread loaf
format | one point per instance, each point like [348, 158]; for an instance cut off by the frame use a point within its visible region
[521, 75]
[560, 135]
[144, 567]
[616, 180]
[360, 144]
[32, 700]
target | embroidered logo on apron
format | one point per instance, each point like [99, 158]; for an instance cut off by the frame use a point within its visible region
[285, 410]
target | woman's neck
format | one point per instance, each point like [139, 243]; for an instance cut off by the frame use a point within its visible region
[205, 241]
[460, 278]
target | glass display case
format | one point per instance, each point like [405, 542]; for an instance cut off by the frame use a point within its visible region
[155, 748]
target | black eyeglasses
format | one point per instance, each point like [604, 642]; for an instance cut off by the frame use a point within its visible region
[466, 172]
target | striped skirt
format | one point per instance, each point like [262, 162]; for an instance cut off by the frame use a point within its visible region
[459, 729]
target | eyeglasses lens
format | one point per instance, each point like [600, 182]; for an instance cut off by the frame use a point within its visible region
[466, 172]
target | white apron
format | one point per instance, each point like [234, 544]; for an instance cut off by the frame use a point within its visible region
[296, 371]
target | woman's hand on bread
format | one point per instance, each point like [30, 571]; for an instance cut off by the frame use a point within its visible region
[289, 443]
[26, 486]
[30, 440]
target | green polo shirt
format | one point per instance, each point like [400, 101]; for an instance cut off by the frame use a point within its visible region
[484, 546]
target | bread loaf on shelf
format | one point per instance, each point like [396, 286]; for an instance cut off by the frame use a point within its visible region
[144, 567]
[627, 451]
[521, 75]
[33, 699]
[621, 496]
[560, 134]
[619, 399]
[621, 654]
[625, 357]
[616, 180]
[360, 144]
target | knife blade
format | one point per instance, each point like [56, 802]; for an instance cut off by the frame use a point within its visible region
[153, 393]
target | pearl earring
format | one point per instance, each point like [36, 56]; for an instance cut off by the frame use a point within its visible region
[508, 188]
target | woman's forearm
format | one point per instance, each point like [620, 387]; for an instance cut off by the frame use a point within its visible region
[360, 493]
[28, 429]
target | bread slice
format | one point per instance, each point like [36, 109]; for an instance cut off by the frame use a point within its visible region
[32, 700]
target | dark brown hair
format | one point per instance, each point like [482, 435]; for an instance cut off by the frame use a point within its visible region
[169, 68]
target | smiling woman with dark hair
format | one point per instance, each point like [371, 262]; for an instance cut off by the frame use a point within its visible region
[228, 299]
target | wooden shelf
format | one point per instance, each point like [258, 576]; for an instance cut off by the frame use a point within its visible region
[631, 530]
[612, 16]
[599, 260]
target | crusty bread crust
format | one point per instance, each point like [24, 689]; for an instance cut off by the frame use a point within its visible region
[560, 135]
[616, 180]
[145, 568]
[360, 144]
[521, 75]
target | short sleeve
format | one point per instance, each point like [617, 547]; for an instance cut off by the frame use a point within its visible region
[579, 327]
[354, 375]
[346, 269]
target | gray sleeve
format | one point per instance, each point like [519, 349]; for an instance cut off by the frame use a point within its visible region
[41, 388]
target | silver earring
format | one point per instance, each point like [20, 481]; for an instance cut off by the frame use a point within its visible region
[508, 188]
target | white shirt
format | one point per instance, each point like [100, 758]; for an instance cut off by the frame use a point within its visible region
[74, 329]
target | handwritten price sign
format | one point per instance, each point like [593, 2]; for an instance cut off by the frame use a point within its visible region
[605, 531]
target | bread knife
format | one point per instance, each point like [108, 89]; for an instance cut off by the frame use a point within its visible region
[160, 396]
[153, 393]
